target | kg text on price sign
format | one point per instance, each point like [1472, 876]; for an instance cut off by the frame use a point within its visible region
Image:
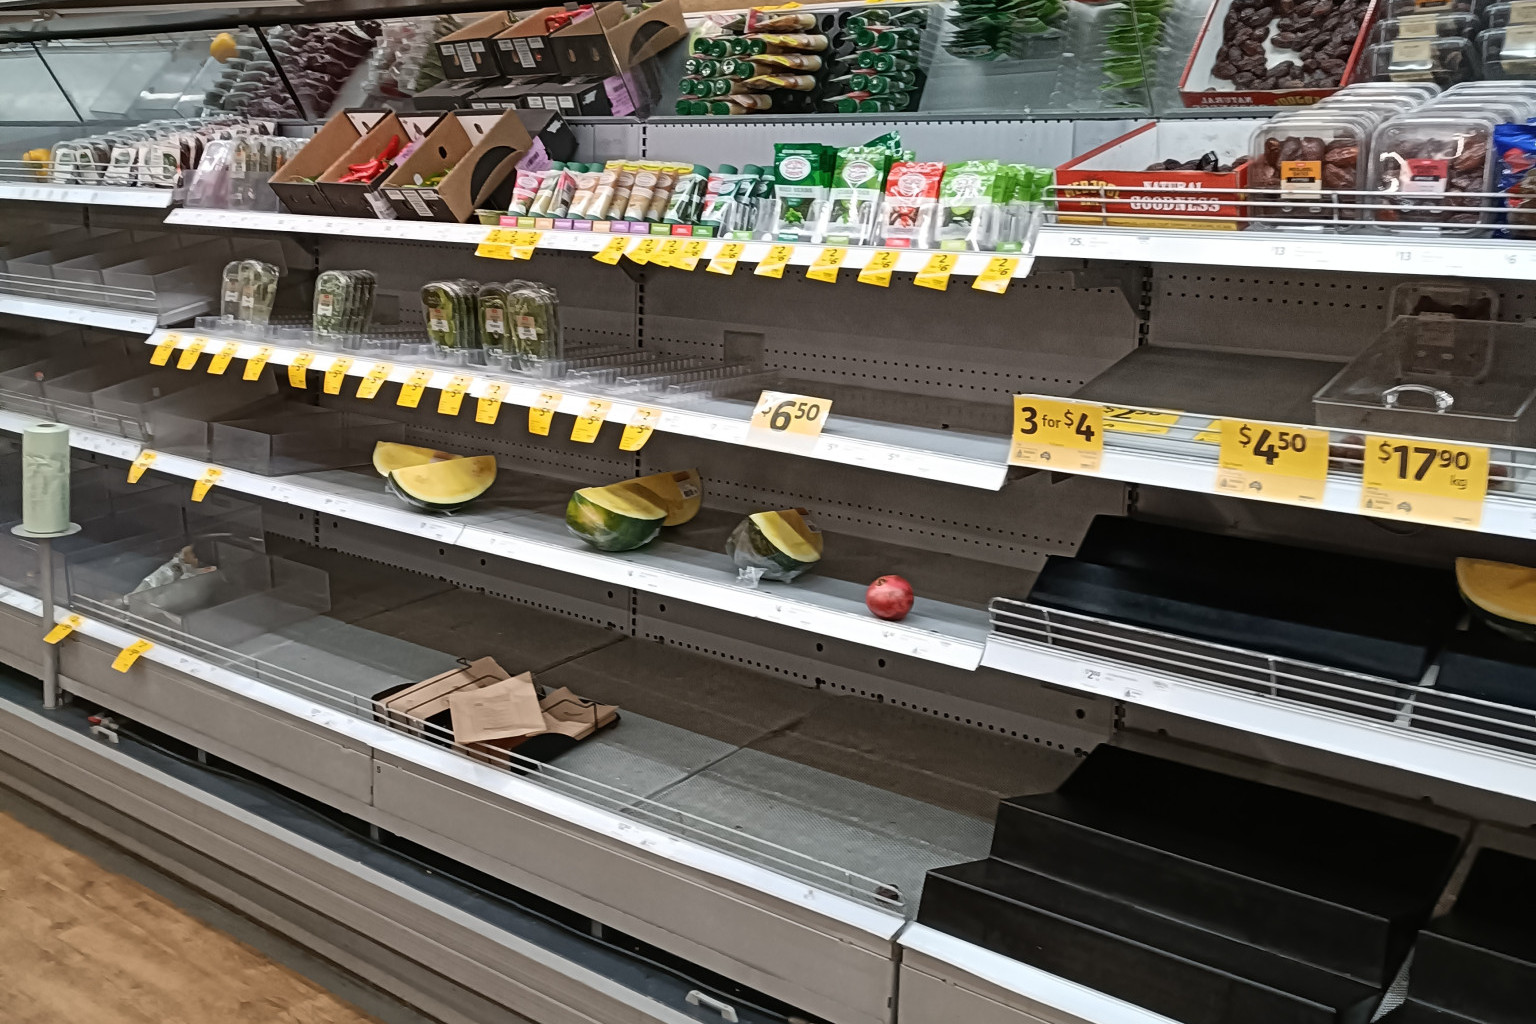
[1424, 481]
[787, 422]
[1049, 433]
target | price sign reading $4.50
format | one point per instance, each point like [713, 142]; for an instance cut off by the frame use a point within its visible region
[1425, 481]
[1051, 434]
[1272, 462]
[787, 422]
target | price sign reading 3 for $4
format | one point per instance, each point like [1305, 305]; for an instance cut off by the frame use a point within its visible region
[1049, 433]
[787, 422]
[1272, 462]
[1425, 481]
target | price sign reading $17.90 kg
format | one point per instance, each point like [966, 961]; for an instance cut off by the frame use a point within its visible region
[1051, 434]
[1272, 462]
[1426, 481]
[787, 422]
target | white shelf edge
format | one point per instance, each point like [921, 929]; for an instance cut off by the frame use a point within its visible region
[883, 925]
[653, 574]
[986, 474]
[73, 313]
[911, 260]
[93, 195]
[1413, 750]
[1030, 983]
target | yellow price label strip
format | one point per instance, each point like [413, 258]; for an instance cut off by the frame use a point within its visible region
[162, 353]
[415, 384]
[789, 422]
[144, 461]
[489, 406]
[639, 429]
[1049, 433]
[1272, 462]
[191, 354]
[524, 243]
[774, 263]
[66, 626]
[590, 420]
[496, 245]
[994, 277]
[452, 396]
[1424, 481]
[689, 253]
[221, 359]
[935, 273]
[826, 266]
[613, 251]
[542, 412]
[130, 654]
[879, 268]
[297, 370]
[643, 252]
[1138, 421]
[724, 261]
[257, 363]
[336, 374]
[374, 379]
[205, 482]
[666, 252]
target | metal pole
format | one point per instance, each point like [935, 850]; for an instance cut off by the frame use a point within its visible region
[50, 651]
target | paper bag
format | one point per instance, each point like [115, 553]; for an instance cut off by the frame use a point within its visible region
[573, 716]
[508, 709]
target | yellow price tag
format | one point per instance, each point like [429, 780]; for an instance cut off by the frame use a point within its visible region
[1425, 481]
[774, 263]
[524, 242]
[415, 384]
[878, 270]
[787, 422]
[590, 420]
[68, 625]
[781, 7]
[639, 428]
[452, 396]
[220, 361]
[336, 374]
[1272, 462]
[935, 273]
[826, 265]
[162, 352]
[497, 245]
[257, 363]
[191, 354]
[995, 276]
[490, 403]
[611, 252]
[1138, 421]
[542, 411]
[130, 654]
[1049, 433]
[667, 252]
[144, 461]
[724, 261]
[297, 375]
[205, 482]
[643, 252]
[374, 379]
[689, 253]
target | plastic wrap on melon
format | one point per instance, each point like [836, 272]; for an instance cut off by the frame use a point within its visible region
[610, 519]
[778, 545]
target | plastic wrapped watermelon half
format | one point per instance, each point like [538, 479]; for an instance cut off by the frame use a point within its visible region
[775, 545]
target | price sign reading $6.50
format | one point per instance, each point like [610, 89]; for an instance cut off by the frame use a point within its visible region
[1049, 433]
[1425, 481]
[787, 422]
[1272, 462]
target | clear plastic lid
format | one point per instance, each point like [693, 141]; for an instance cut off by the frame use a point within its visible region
[1512, 12]
[1442, 60]
[1393, 9]
[1427, 26]
[1303, 162]
[1425, 90]
[1505, 109]
[1422, 161]
[1510, 52]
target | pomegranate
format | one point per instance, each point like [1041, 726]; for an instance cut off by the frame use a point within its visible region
[889, 597]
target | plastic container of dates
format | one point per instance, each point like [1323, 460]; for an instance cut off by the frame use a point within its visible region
[1394, 9]
[1297, 166]
[1426, 26]
[1502, 15]
[1425, 170]
[1442, 60]
[1505, 110]
[1509, 52]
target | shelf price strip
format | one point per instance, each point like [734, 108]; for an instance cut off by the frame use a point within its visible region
[878, 270]
[374, 379]
[130, 654]
[257, 363]
[162, 352]
[1424, 481]
[497, 245]
[489, 405]
[144, 461]
[336, 375]
[205, 482]
[66, 626]
[191, 354]
[297, 370]
[452, 396]
[724, 261]
[542, 411]
[220, 362]
[613, 251]
[1272, 462]
[774, 263]
[826, 266]
[995, 276]
[935, 273]
[786, 422]
[1049, 433]
[590, 420]
[639, 429]
[410, 391]
[688, 254]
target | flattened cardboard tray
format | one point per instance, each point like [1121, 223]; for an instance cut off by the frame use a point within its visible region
[482, 150]
[336, 136]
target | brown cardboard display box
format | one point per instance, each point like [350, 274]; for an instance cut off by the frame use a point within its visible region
[355, 198]
[334, 138]
[607, 42]
[478, 150]
[468, 52]
[525, 48]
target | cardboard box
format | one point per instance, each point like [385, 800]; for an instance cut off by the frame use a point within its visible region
[468, 52]
[573, 716]
[506, 709]
[550, 132]
[1197, 88]
[580, 97]
[607, 42]
[335, 137]
[505, 95]
[482, 150]
[1157, 198]
[447, 95]
[525, 48]
[410, 706]
[356, 199]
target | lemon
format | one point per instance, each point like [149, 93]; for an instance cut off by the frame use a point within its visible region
[223, 47]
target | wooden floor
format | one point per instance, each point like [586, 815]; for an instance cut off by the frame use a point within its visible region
[82, 945]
